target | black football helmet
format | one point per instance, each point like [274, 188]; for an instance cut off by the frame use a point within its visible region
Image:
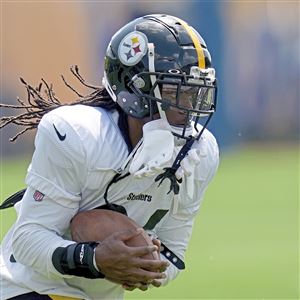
[159, 62]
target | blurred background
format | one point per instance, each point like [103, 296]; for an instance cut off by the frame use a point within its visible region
[246, 238]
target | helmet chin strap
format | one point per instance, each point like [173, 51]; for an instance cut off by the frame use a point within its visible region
[179, 130]
[157, 94]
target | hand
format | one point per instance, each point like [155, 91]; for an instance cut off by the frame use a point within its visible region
[143, 286]
[158, 244]
[125, 265]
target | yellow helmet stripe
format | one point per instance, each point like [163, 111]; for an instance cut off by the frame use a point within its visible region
[193, 35]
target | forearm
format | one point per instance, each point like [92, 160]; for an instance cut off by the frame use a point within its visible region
[38, 232]
[34, 246]
[174, 235]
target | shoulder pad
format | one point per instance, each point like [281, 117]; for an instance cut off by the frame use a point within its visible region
[87, 133]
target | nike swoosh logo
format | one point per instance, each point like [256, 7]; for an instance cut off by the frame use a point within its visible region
[61, 137]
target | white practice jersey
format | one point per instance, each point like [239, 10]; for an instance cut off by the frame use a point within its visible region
[78, 150]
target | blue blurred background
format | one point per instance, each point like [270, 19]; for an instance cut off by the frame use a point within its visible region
[254, 46]
[245, 243]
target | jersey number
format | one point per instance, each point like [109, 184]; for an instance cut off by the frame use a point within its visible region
[155, 218]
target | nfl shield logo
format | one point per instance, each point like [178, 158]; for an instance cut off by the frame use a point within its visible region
[38, 196]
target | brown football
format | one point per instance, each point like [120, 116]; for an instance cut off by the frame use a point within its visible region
[98, 224]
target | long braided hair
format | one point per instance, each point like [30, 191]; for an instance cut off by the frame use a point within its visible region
[42, 99]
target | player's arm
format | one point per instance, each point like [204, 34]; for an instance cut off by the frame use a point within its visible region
[51, 199]
[57, 171]
[176, 228]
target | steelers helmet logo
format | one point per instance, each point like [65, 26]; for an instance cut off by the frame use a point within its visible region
[132, 48]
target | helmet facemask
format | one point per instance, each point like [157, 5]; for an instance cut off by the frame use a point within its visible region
[180, 98]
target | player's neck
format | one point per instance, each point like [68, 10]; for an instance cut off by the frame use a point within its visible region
[135, 129]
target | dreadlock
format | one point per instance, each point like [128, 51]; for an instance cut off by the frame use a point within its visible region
[42, 99]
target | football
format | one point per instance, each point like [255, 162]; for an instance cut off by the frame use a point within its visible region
[98, 224]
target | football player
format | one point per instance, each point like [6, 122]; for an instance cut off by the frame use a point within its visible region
[134, 145]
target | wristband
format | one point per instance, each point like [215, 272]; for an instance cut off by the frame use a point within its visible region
[77, 259]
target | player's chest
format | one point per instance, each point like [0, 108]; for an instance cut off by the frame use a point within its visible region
[144, 200]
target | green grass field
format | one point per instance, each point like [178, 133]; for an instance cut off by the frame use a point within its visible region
[245, 242]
